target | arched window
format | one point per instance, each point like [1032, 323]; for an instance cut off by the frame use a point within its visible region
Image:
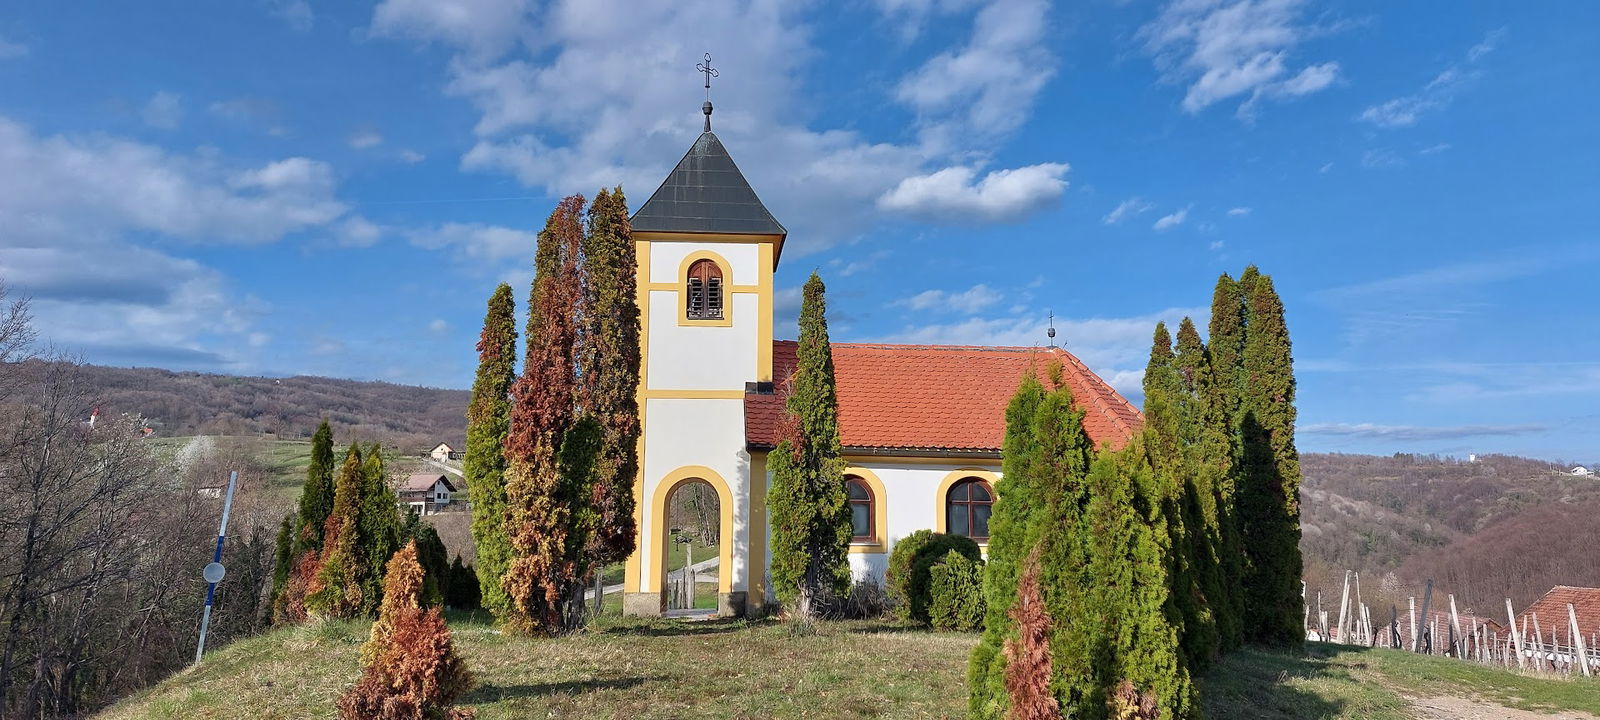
[705, 291]
[861, 510]
[968, 506]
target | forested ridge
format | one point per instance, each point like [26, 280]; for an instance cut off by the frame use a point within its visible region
[405, 417]
[1499, 527]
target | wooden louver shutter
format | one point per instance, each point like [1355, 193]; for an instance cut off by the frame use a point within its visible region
[705, 291]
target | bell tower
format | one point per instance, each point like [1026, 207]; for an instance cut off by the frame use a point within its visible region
[707, 249]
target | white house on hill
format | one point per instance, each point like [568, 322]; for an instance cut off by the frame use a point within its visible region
[1582, 471]
[921, 424]
[427, 493]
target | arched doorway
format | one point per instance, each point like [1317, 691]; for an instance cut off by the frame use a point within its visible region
[694, 530]
[693, 513]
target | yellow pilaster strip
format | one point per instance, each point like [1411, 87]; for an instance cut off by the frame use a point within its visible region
[764, 330]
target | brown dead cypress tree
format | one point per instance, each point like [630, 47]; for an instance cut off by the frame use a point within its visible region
[1027, 655]
[536, 578]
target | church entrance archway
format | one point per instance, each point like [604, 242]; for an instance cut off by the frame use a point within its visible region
[694, 544]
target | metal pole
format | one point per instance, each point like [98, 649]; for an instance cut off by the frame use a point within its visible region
[211, 587]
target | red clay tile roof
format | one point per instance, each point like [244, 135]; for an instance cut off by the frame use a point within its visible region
[1552, 609]
[937, 398]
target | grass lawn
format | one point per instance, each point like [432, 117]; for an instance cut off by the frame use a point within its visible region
[632, 668]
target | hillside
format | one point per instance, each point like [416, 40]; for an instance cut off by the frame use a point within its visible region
[1499, 527]
[189, 403]
[733, 669]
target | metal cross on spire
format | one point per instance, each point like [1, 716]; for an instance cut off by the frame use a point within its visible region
[710, 72]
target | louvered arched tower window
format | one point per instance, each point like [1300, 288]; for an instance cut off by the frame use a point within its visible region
[705, 291]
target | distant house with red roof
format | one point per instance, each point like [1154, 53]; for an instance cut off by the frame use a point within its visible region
[921, 425]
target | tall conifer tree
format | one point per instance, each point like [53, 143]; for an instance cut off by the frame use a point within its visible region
[1174, 498]
[537, 579]
[1269, 494]
[379, 527]
[1017, 497]
[609, 355]
[1046, 455]
[316, 495]
[1208, 462]
[810, 512]
[335, 590]
[1136, 640]
[488, 422]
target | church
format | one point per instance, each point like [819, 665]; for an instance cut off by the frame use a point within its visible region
[921, 424]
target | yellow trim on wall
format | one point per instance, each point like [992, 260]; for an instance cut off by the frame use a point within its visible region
[630, 569]
[880, 513]
[764, 326]
[694, 237]
[917, 460]
[663, 394]
[950, 480]
[756, 565]
[658, 508]
[735, 289]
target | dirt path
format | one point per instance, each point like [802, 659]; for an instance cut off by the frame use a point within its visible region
[1459, 708]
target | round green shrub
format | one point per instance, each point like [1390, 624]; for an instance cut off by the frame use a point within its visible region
[955, 593]
[911, 562]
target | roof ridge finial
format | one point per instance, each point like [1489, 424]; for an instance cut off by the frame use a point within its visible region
[710, 72]
[1051, 333]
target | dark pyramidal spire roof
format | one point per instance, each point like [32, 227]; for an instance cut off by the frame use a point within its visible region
[706, 193]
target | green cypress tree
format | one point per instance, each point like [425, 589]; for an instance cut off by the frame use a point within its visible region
[316, 495]
[282, 558]
[609, 358]
[378, 527]
[1009, 543]
[809, 510]
[1135, 640]
[483, 468]
[1173, 502]
[335, 590]
[1269, 493]
[1039, 513]
[1222, 389]
[433, 557]
[1217, 554]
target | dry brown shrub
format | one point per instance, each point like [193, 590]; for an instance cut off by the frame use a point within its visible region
[1028, 655]
[412, 669]
[1129, 703]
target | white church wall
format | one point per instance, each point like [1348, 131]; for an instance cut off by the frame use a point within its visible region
[666, 258]
[700, 357]
[911, 497]
[704, 432]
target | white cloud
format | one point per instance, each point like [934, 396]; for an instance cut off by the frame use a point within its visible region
[1127, 208]
[411, 157]
[12, 49]
[1002, 195]
[1437, 94]
[1117, 349]
[477, 241]
[1381, 158]
[297, 13]
[1325, 168]
[363, 139]
[967, 302]
[1235, 48]
[438, 325]
[1239, 211]
[164, 110]
[357, 231]
[74, 228]
[1167, 222]
[1436, 148]
[637, 105]
[1417, 432]
[256, 111]
[484, 28]
[989, 84]
[1215, 245]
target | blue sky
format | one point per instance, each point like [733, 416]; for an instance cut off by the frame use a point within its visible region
[279, 187]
